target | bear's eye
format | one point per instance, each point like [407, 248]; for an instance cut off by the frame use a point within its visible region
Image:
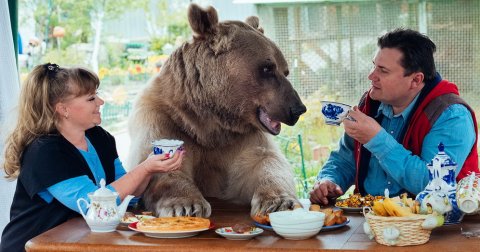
[268, 70]
[286, 73]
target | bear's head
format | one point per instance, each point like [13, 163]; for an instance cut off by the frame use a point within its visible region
[234, 77]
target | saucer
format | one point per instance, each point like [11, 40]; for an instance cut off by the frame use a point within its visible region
[228, 233]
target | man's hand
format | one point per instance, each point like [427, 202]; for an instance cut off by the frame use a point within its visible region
[323, 190]
[362, 128]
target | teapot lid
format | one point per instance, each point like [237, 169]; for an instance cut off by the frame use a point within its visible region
[103, 191]
[441, 156]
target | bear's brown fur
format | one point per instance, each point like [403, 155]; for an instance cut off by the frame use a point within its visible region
[224, 94]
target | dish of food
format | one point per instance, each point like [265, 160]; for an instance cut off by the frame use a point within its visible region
[173, 224]
[228, 233]
[357, 201]
[127, 220]
[352, 209]
[328, 228]
[167, 234]
[264, 226]
[324, 228]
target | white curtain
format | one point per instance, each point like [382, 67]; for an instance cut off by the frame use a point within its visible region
[9, 92]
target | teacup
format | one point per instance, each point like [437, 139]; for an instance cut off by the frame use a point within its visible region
[334, 112]
[166, 146]
[468, 194]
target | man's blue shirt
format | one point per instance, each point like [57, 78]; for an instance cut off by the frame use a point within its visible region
[394, 167]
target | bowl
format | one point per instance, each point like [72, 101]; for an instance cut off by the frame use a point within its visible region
[298, 224]
[296, 235]
[296, 217]
[305, 226]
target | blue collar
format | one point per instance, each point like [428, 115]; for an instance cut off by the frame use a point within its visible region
[387, 110]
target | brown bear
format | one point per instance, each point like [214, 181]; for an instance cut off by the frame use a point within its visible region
[225, 93]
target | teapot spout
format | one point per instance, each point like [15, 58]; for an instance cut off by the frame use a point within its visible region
[123, 207]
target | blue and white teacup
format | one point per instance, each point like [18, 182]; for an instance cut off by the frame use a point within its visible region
[167, 146]
[334, 112]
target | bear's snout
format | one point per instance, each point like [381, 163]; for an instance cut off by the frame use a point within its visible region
[295, 113]
[298, 110]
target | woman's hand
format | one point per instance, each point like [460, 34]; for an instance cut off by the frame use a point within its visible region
[163, 162]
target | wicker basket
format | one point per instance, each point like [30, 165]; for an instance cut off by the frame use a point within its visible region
[411, 231]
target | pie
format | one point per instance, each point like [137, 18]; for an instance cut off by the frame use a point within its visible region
[173, 224]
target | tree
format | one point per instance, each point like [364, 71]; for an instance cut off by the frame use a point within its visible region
[166, 20]
[82, 20]
[106, 9]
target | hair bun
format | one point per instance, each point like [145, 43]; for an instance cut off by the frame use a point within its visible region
[51, 69]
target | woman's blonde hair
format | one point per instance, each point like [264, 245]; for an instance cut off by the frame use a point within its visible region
[43, 88]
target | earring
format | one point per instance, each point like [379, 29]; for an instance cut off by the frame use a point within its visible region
[65, 115]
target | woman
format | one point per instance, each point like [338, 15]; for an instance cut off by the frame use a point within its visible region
[58, 153]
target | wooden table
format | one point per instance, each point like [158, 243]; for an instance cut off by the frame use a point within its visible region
[74, 235]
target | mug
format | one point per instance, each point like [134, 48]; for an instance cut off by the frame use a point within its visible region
[166, 146]
[335, 112]
[468, 193]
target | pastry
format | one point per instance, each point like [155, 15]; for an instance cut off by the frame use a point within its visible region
[262, 219]
[169, 224]
[242, 228]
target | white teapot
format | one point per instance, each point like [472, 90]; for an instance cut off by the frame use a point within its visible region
[103, 214]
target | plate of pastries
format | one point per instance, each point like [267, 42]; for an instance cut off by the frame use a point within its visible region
[171, 227]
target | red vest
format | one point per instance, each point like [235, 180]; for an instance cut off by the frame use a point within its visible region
[443, 94]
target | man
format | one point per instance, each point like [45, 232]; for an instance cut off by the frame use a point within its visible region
[398, 124]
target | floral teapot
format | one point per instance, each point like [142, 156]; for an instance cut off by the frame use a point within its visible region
[103, 214]
[440, 192]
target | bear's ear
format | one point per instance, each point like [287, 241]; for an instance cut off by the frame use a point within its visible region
[203, 21]
[254, 22]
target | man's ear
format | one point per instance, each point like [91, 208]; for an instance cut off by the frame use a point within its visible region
[417, 80]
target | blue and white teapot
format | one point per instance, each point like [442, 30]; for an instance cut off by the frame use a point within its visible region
[103, 214]
[440, 192]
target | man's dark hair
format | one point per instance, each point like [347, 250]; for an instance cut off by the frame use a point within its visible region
[417, 51]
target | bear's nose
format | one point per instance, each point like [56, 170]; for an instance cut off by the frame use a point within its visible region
[298, 110]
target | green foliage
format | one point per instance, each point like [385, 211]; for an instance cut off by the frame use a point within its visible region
[158, 43]
[115, 57]
[68, 57]
[174, 20]
[75, 16]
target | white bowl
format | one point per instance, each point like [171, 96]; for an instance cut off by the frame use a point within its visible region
[296, 234]
[304, 226]
[298, 224]
[296, 217]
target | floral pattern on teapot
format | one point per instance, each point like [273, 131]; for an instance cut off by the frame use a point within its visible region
[103, 214]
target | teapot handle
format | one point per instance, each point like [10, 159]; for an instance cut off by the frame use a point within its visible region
[80, 208]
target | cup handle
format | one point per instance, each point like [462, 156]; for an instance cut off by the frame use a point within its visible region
[80, 208]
